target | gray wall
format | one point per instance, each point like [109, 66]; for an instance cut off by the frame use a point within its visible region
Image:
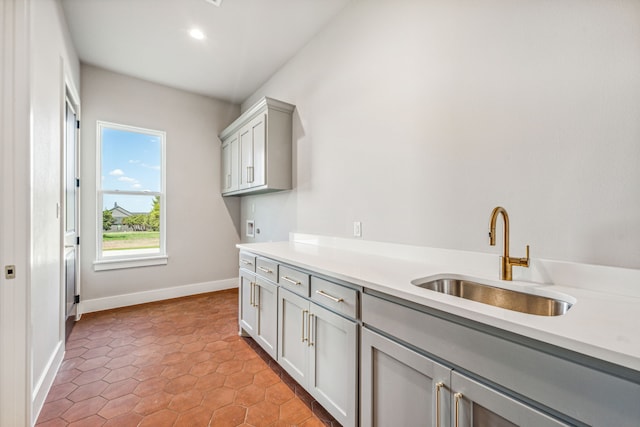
[201, 225]
[418, 117]
[53, 60]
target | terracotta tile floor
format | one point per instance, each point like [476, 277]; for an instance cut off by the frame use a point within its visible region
[173, 363]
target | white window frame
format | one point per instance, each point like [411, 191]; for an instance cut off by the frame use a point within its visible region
[137, 260]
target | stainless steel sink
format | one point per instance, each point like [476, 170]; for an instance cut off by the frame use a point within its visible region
[499, 297]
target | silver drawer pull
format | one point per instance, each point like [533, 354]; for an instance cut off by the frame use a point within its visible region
[311, 326]
[266, 270]
[304, 312]
[457, 398]
[331, 297]
[246, 262]
[290, 280]
[438, 387]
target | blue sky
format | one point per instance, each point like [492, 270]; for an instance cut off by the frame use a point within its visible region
[130, 162]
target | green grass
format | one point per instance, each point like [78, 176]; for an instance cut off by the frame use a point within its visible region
[133, 247]
[124, 240]
[131, 235]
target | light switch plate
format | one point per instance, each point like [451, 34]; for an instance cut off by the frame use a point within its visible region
[250, 230]
[357, 229]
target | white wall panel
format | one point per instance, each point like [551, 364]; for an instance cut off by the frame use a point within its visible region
[202, 227]
[418, 117]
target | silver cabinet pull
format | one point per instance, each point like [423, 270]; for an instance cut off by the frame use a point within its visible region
[256, 295]
[438, 387]
[250, 176]
[246, 262]
[457, 397]
[311, 327]
[266, 270]
[304, 312]
[251, 294]
[331, 297]
[290, 280]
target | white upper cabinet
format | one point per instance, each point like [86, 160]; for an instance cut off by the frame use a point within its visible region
[256, 150]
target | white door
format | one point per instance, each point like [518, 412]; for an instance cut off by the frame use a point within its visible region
[70, 215]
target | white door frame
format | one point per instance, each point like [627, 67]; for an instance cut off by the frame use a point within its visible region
[70, 94]
[15, 213]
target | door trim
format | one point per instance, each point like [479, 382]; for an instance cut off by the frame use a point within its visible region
[70, 94]
[15, 133]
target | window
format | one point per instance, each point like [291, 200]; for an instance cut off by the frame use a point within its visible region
[131, 198]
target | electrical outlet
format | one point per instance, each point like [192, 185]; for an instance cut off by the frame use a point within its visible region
[357, 229]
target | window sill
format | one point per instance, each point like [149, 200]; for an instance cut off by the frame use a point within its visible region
[116, 264]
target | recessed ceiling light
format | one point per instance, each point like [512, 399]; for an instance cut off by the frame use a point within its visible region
[196, 33]
[214, 2]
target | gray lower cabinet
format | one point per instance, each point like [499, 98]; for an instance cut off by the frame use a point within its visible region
[477, 405]
[246, 309]
[293, 341]
[402, 387]
[503, 377]
[399, 386]
[258, 308]
[318, 348]
[266, 304]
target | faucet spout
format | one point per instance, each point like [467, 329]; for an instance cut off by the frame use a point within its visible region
[506, 262]
[492, 228]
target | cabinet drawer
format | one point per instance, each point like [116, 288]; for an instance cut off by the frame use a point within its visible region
[247, 261]
[338, 298]
[294, 280]
[267, 268]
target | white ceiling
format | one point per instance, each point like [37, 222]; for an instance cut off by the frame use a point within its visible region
[246, 41]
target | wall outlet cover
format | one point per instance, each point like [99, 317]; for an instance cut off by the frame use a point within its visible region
[357, 229]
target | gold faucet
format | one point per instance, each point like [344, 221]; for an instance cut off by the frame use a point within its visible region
[506, 262]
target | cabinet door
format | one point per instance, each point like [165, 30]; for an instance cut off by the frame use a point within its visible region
[266, 302]
[259, 137]
[478, 405]
[333, 368]
[246, 307]
[230, 151]
[252, 153]
[293, 335]
[400, 387]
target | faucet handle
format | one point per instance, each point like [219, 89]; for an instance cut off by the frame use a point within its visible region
[521, 262]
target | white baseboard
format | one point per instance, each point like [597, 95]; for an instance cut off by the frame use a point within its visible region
[117, 301]
[44, 383]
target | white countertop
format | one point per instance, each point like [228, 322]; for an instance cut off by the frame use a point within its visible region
[602, 323]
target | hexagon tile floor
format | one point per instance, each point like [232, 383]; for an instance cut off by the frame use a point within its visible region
[173, 363]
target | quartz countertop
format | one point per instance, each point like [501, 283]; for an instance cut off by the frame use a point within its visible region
[602, 323]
